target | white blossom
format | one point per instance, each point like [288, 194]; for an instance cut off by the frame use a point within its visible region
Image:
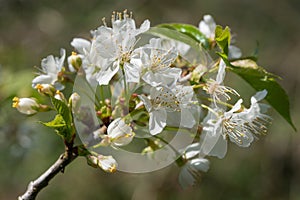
[255, 116]
[119, 133]
[26, 106]
[154, 62]
[50, 69]
[194, 165]
[207, 26]
[75, 61]
[107, 163]
[163, 100]
[239, 125]
[234, 52]
[92, 62]
[115, 45]
[216, 89]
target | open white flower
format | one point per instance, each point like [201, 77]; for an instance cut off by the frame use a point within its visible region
[239, 125]
[155, 61]
[190, 173]
[26, 106]
[194, 165]
[163, 100]
[216, 89]
[116, 45]
[92, 62]
[50, 69]
[257, 120]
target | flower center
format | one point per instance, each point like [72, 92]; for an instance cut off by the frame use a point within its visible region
[234, 129]
[166, 99]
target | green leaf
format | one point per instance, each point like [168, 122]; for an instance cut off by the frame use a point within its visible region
[62, 108]
[57, 122]
[222, 37]
[190, 31]
[260, 79]
[64, 111]
[60, 127]
[175, 35]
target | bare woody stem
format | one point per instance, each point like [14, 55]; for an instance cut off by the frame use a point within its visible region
[37, 185]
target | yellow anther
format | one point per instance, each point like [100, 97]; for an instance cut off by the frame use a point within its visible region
[39, 86]
[113, 168]
[16, 101]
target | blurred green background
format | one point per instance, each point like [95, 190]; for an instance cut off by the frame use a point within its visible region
[30, 30]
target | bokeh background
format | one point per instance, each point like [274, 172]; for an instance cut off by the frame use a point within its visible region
[30, 30]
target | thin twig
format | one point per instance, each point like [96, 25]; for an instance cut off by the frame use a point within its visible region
[37, 185]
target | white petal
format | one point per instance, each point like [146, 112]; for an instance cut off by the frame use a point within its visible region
[237, 106]
[157, 121]
[207, 26]
[213, 144]
[81, 45]
[187, 118]
[186, 179]
[259, 96]
[104, 76]
[167, 77]
[221, 72]
[146, 102]
[234, 52]
[132, 73]
[192, 150]
[119, 132]
[42, 79]
[49, 65]
[201, 164]
[144, 27]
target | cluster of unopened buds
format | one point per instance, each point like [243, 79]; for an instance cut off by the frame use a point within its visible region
[145, 81]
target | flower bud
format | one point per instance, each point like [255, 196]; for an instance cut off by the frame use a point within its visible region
[46, 89]
[26, 106]
[59, 96]
[74, 102]
[120, 133]
[75, 62]
[92, 160]
[107, 163]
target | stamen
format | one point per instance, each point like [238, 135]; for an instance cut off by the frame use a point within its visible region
[104, 22]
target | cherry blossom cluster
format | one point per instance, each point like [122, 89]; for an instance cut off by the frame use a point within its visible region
[159, 89]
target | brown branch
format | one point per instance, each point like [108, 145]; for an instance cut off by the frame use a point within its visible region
[37, 185]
